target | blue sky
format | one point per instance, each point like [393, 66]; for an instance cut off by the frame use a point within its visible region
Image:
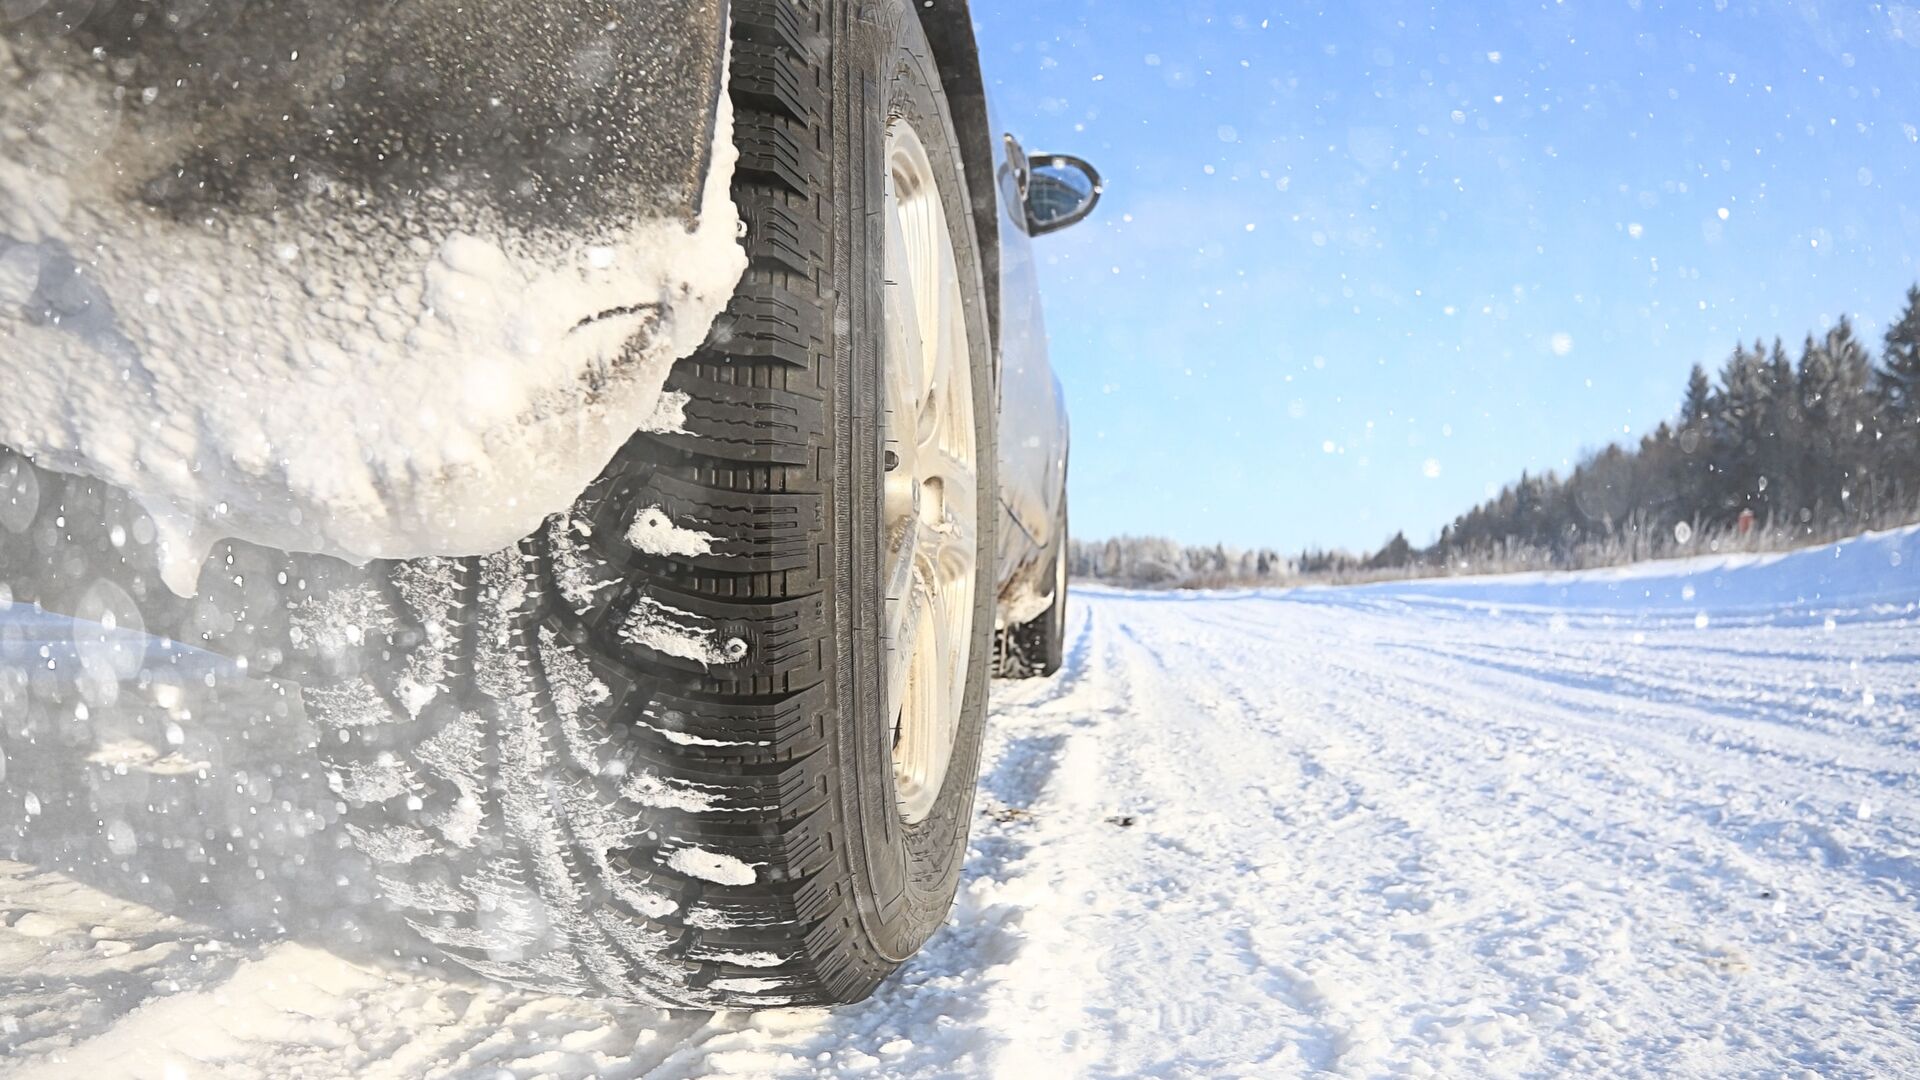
[1360, 263]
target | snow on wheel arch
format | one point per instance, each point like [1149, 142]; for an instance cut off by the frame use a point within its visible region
[355, 389]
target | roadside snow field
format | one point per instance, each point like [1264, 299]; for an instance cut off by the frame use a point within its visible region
[1659, 821]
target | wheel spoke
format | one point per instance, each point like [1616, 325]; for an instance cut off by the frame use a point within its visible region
[902, 555]
[952, 477]
[930, 683]
[903, 639]
[949, 660]
[941, 410]
[946, 558]
[920, 227]
[906, 387]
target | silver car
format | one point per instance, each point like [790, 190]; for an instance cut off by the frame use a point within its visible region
[627, 424]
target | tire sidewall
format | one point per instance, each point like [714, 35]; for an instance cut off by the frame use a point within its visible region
[906, 874]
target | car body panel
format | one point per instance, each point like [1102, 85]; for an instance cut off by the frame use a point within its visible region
[1033, 420]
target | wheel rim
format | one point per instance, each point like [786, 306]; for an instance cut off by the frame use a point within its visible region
[931, 508]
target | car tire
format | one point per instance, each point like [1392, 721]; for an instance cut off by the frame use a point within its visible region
[650, 752]
[1037, 649]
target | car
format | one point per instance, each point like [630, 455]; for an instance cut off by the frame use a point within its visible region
[632, 435]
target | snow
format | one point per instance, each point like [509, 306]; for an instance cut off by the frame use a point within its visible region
[1539, 825]
[314, 382]
[670, 630]
[649, 789]
[654, 532]
[714, 866]
[398, 844]
[456, 754]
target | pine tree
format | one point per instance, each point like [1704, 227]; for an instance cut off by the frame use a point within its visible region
[1397, 553]
[1739, 428]
[1897, 386]
[1692, 475]
[1815, 470]
[1860, 422]
[1779, 457]
[1698, 406]
[1834, 381]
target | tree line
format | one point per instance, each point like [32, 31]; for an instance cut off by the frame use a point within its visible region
[1775, 450]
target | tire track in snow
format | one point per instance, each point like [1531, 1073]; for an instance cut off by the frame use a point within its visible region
[1470, 718]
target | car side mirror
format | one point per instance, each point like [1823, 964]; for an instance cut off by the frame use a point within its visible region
[1061, 190]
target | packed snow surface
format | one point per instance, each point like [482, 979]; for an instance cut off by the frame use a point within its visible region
[376, 389]
[1656, 822]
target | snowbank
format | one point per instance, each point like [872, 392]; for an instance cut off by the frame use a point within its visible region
[1877, 571]
[1881, 570]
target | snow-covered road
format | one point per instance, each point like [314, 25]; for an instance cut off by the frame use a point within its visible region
[1663, 821]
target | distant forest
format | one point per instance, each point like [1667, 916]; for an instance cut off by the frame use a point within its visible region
[1772, 452]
